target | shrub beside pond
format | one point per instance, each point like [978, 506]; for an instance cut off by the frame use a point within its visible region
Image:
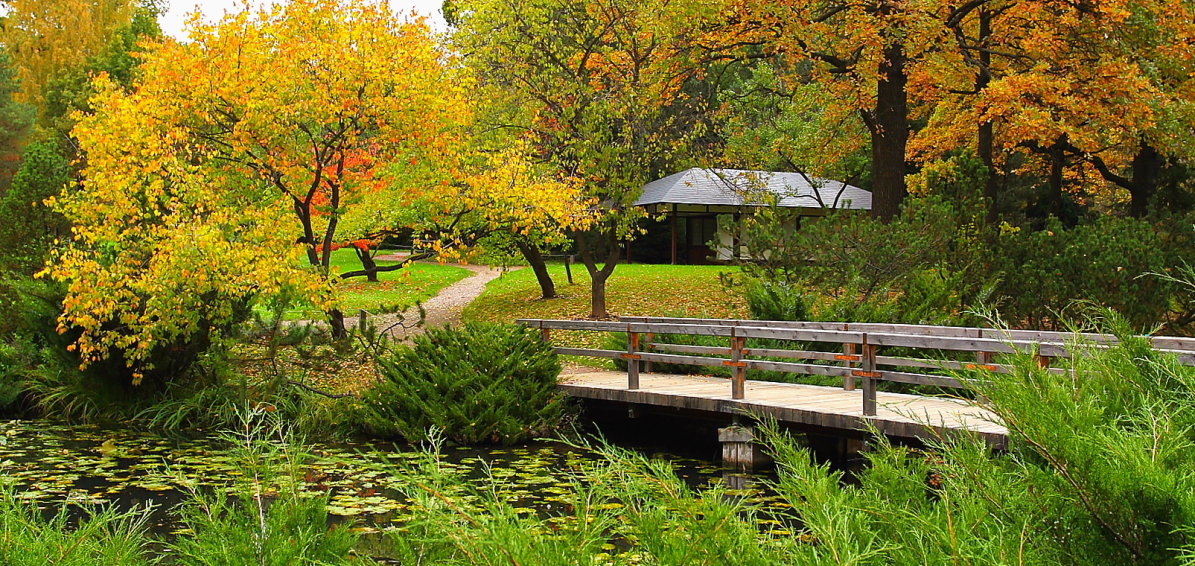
[478, 383]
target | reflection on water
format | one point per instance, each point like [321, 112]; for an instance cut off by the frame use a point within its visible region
[53, 463]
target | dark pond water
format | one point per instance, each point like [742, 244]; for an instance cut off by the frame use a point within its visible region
[53, 463]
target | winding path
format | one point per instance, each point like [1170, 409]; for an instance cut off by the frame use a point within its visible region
[444, 308]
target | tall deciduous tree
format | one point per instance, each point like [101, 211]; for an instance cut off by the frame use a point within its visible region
[47, 37]
[236, 156]
[596, 88]
[864, 53]
[1089, 90]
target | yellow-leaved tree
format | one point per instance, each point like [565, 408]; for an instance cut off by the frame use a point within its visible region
[46, 37]
[223, 177]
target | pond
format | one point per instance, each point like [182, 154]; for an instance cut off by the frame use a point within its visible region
[53, 463]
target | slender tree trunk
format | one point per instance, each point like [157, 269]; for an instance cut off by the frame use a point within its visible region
[598, 277]
[367, 264]
[597, 301]
[535, 259]
[889, 125]
[1146, 166]
[336, 322]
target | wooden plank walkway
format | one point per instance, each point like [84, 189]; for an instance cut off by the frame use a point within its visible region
[909, 416]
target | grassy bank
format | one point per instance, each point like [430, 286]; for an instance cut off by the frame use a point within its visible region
[633, 290]
[417, 282]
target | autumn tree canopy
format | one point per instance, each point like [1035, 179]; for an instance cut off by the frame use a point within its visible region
[596, 89]
[47, 37]
[1090, 97]
[223, 177]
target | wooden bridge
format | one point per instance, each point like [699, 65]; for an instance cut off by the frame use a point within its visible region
[858, 361]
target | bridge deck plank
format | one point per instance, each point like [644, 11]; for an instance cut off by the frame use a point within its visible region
[832, 407]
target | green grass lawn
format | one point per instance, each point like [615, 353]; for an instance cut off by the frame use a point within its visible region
[416, 282]
[633, 290]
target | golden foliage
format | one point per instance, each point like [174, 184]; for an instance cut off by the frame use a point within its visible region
[235, 157]
[46, 37]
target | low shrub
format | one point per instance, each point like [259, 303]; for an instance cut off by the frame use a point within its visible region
[777, 300]
[478, 383]
[1106, 262]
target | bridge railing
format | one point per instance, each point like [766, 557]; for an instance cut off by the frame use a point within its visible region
[858, 361]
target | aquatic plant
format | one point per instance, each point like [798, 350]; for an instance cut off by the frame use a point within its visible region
[622, 508]
[73, 536]
[267, 519]
[477, 383]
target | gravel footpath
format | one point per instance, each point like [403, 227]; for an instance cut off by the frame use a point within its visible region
[444, 308]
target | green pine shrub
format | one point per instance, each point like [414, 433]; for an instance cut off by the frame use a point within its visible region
[777, 300]
[479, 383]
[1106, 262]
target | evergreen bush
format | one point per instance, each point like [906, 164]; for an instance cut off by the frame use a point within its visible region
[1106, 262]
[480, 383]
[777, 300]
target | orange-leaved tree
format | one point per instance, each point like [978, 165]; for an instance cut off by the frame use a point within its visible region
[223, 177]
[1081, 89]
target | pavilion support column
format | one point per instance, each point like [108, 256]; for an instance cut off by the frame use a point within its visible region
[672, 218]
[735, 252]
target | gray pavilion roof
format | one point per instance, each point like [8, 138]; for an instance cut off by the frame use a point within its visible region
[736, 187]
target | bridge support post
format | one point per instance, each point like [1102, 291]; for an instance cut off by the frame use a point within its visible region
[738, 380]
[632, 360]
[850, 351]
[739, 448]
[869, 381]
[840, 451]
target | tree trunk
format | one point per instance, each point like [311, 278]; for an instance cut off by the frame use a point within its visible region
[535, 259]
[889, 126]
[597, 300]
[336, 322]
[1146, 166]
[1053, 199]
[367, 264]
[985, 141]
[598, 277]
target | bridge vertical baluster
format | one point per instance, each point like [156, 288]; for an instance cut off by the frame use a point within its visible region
[869, 382]
[647, 365]
[738, 383]
[632, 360]
[1044, 362]
[848, 382]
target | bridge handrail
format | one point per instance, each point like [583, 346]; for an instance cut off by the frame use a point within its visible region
[860, 344]
[1162, 342]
